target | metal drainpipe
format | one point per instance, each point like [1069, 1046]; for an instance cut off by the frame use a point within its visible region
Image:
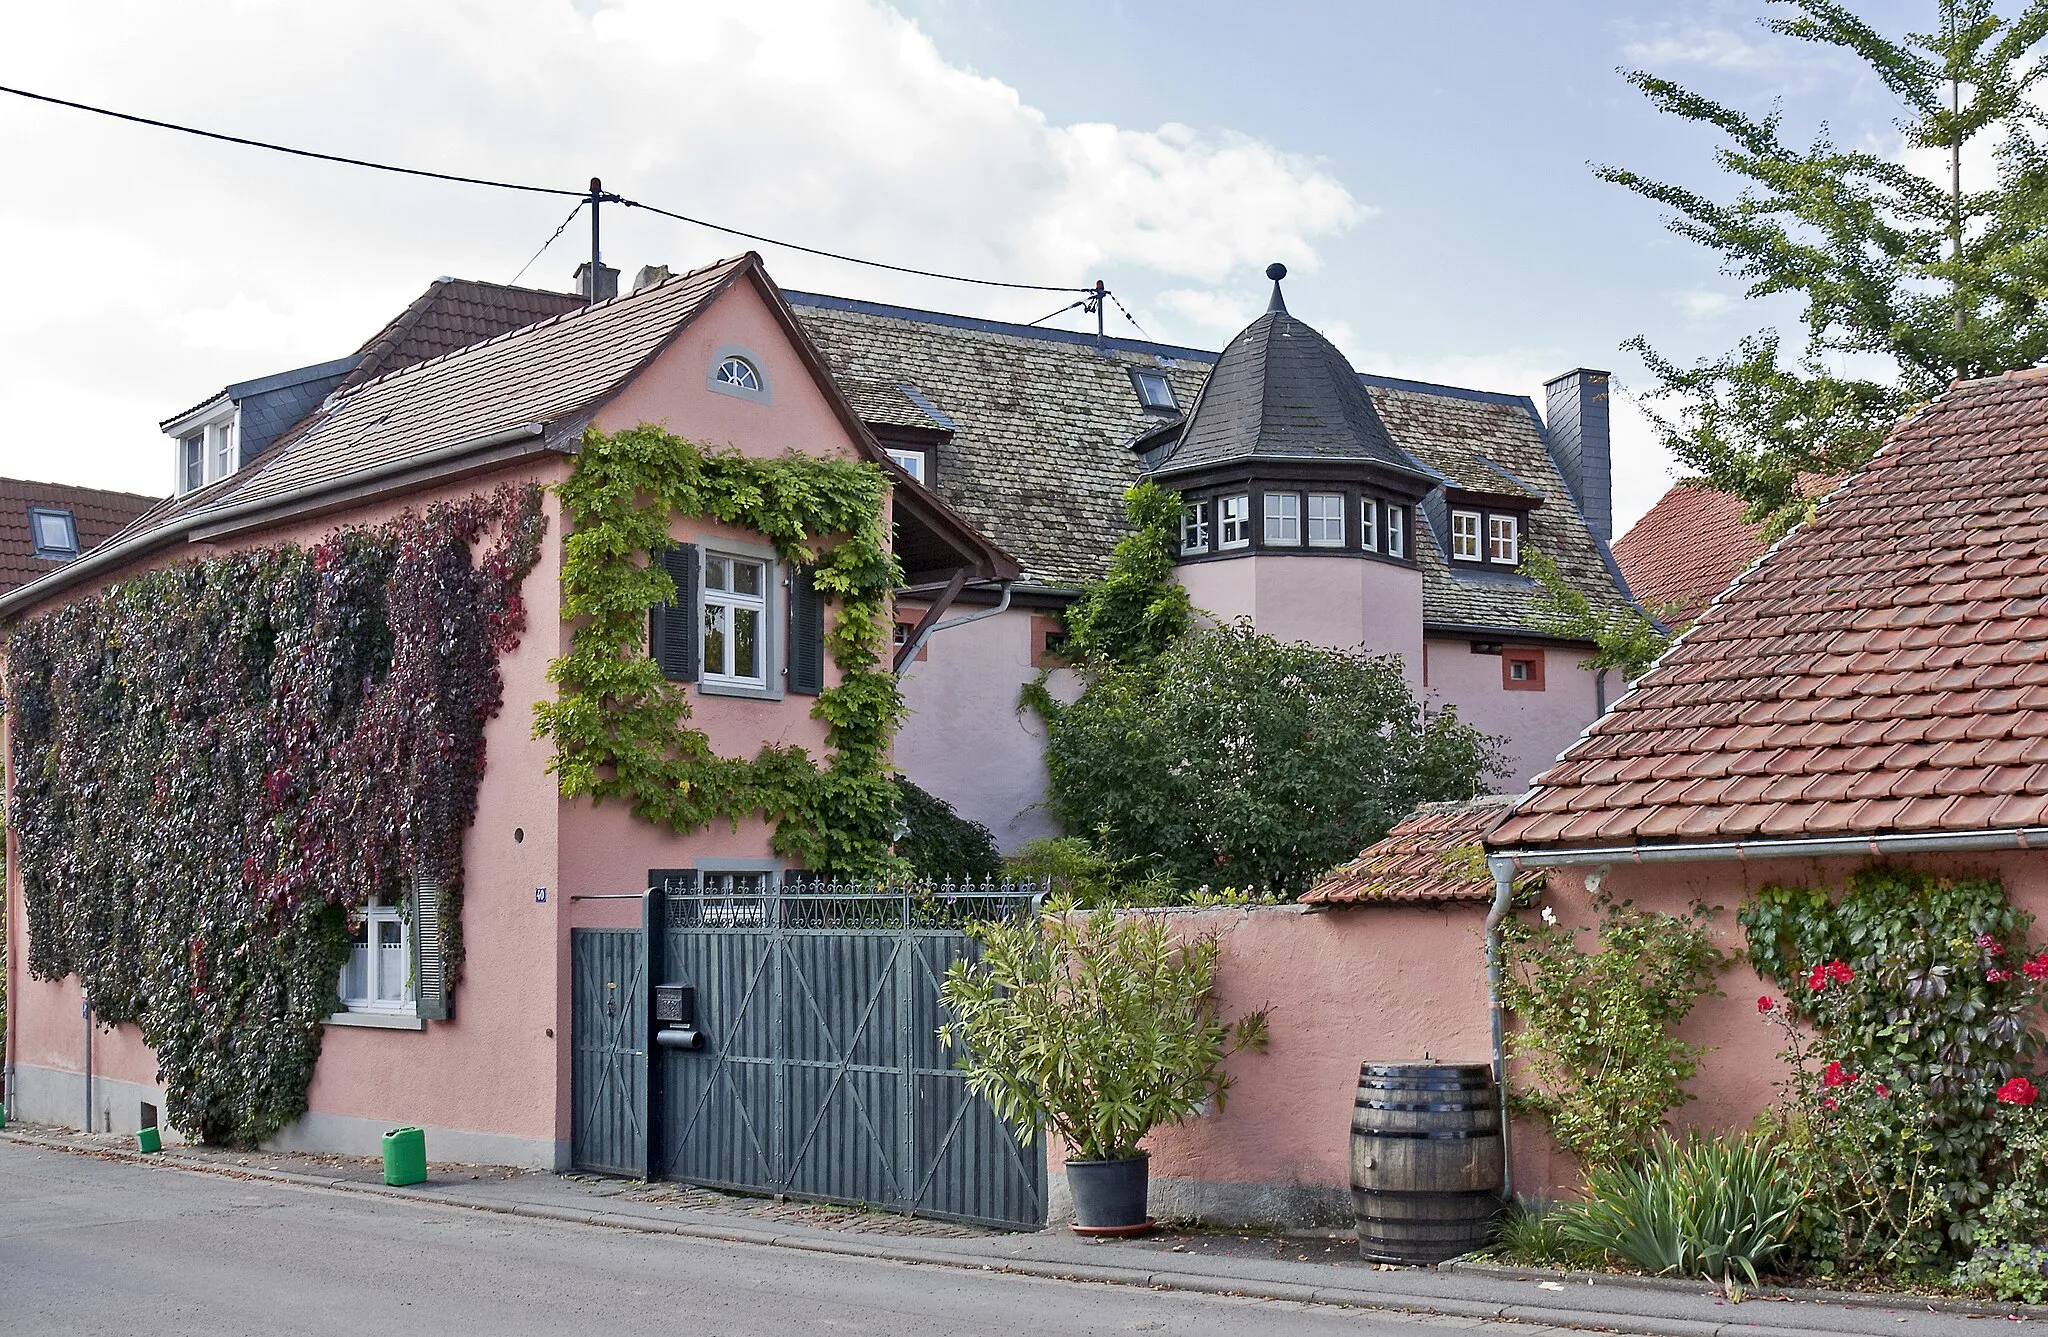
[1002, 606]
[85, 1010]
[1503, 871]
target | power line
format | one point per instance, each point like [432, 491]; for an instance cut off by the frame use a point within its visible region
[549, 242]
[1070, 306]
[284, 148]
[585, 196]
[853, 259]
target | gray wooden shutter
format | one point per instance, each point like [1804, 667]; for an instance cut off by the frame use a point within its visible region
[806, 634]
[429, 970]
[672, 628]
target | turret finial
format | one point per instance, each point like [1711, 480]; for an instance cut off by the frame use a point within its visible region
[1276, 272]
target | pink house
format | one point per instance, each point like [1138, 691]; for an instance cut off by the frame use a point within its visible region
[477, 390]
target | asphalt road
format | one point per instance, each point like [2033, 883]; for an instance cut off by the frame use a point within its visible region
[105, 1247]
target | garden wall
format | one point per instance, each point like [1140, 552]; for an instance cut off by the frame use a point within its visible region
[1398, 982]
[1339, 987]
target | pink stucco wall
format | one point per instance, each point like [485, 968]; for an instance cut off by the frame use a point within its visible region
[965, 740]
[1340, 988]
[1342, 603]
[1536, 726]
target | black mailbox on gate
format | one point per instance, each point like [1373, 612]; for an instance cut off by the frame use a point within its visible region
[675, 1016]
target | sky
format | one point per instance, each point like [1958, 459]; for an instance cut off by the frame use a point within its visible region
[1423, 171]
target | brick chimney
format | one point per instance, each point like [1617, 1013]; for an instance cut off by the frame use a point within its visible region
[1575, 421]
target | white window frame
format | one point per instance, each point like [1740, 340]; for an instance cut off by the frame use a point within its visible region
[1468, 529]
[728, 601]
[1333, 510]
[1369, 524]
[191, 453]
[1234, 522]
[370, 1009]
[1279, 517]
[911, 462]
[747, 378]
[1194, 528]
[1518, 670]
[1397, 530]
[1497, 528]
[762, 391]
[220, 457]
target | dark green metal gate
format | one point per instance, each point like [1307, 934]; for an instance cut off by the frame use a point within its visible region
[821, 1074]
[608, 1039]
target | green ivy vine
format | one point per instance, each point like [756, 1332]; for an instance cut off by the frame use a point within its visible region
[218, 762]
[620, 729]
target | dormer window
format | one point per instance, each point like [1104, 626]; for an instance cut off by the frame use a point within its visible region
[207, 453]
[1154, 390]
[1486, 537]
[913, 462]
[1503, 540]
[53, 532]
[739, 373]
[1465, 529]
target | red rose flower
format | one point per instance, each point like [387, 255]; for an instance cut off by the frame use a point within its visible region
[1837, 1075]
[1839, 972]
[1764, 1004]
[1883, 1090]
[1998, 976]
[1817, 979]
[2018, 1091]
[1990, 944]
[1828, 1104]
[2036, 967]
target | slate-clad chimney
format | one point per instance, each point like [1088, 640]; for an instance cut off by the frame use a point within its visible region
[1575, 419]
[607, 283]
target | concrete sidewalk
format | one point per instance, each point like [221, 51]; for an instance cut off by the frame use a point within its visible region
[1318, 1272]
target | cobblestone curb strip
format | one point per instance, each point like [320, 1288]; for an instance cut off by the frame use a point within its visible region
[926, 1252]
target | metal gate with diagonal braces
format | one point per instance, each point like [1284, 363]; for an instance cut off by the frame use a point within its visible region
[821, 1074]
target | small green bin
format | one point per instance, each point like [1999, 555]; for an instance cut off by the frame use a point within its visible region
[405, 1156]
[149, 1139]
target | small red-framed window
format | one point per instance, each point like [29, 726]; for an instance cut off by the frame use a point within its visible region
[1521, 670]
[906, 627]
[1048, 634]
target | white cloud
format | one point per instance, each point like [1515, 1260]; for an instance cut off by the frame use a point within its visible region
[1702, 303]
[154, 268]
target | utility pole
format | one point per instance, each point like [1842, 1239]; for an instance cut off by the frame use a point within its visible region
[1097, 303]
[596, 252]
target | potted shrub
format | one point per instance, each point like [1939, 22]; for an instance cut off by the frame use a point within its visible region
[1100, 1027]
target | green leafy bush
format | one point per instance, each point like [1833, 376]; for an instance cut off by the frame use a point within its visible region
[1234, 758]
[1099, 1026]
[2009, 1259]
[1595, 1032]
[1704, 1207]
[1928, 988]
[2007, 1272]
[940, 843]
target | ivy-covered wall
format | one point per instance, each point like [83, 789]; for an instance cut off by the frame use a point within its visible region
[216, 761]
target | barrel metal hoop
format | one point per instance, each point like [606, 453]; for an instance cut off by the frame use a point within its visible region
[1439, 1135]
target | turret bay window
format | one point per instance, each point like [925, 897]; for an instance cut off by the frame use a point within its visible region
[1503, 540]
[1325, 520]
[1397, 531]
[1283, 519]
[1194, 528]
[1465, 530]
[1234, 522]
[1369, 524]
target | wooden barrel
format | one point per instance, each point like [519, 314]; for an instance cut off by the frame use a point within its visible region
[1426, 1160]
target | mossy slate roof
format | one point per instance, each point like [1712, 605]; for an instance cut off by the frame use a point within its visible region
[1041, 423]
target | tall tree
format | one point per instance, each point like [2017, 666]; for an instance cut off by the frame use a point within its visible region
[1940, 277]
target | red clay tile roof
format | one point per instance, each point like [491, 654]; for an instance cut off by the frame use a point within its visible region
[1686, 549]
[452, 314]
[96, 516]
[1433, 854]
[1883, 669]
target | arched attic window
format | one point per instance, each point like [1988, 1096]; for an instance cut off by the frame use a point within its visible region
[739, 373]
